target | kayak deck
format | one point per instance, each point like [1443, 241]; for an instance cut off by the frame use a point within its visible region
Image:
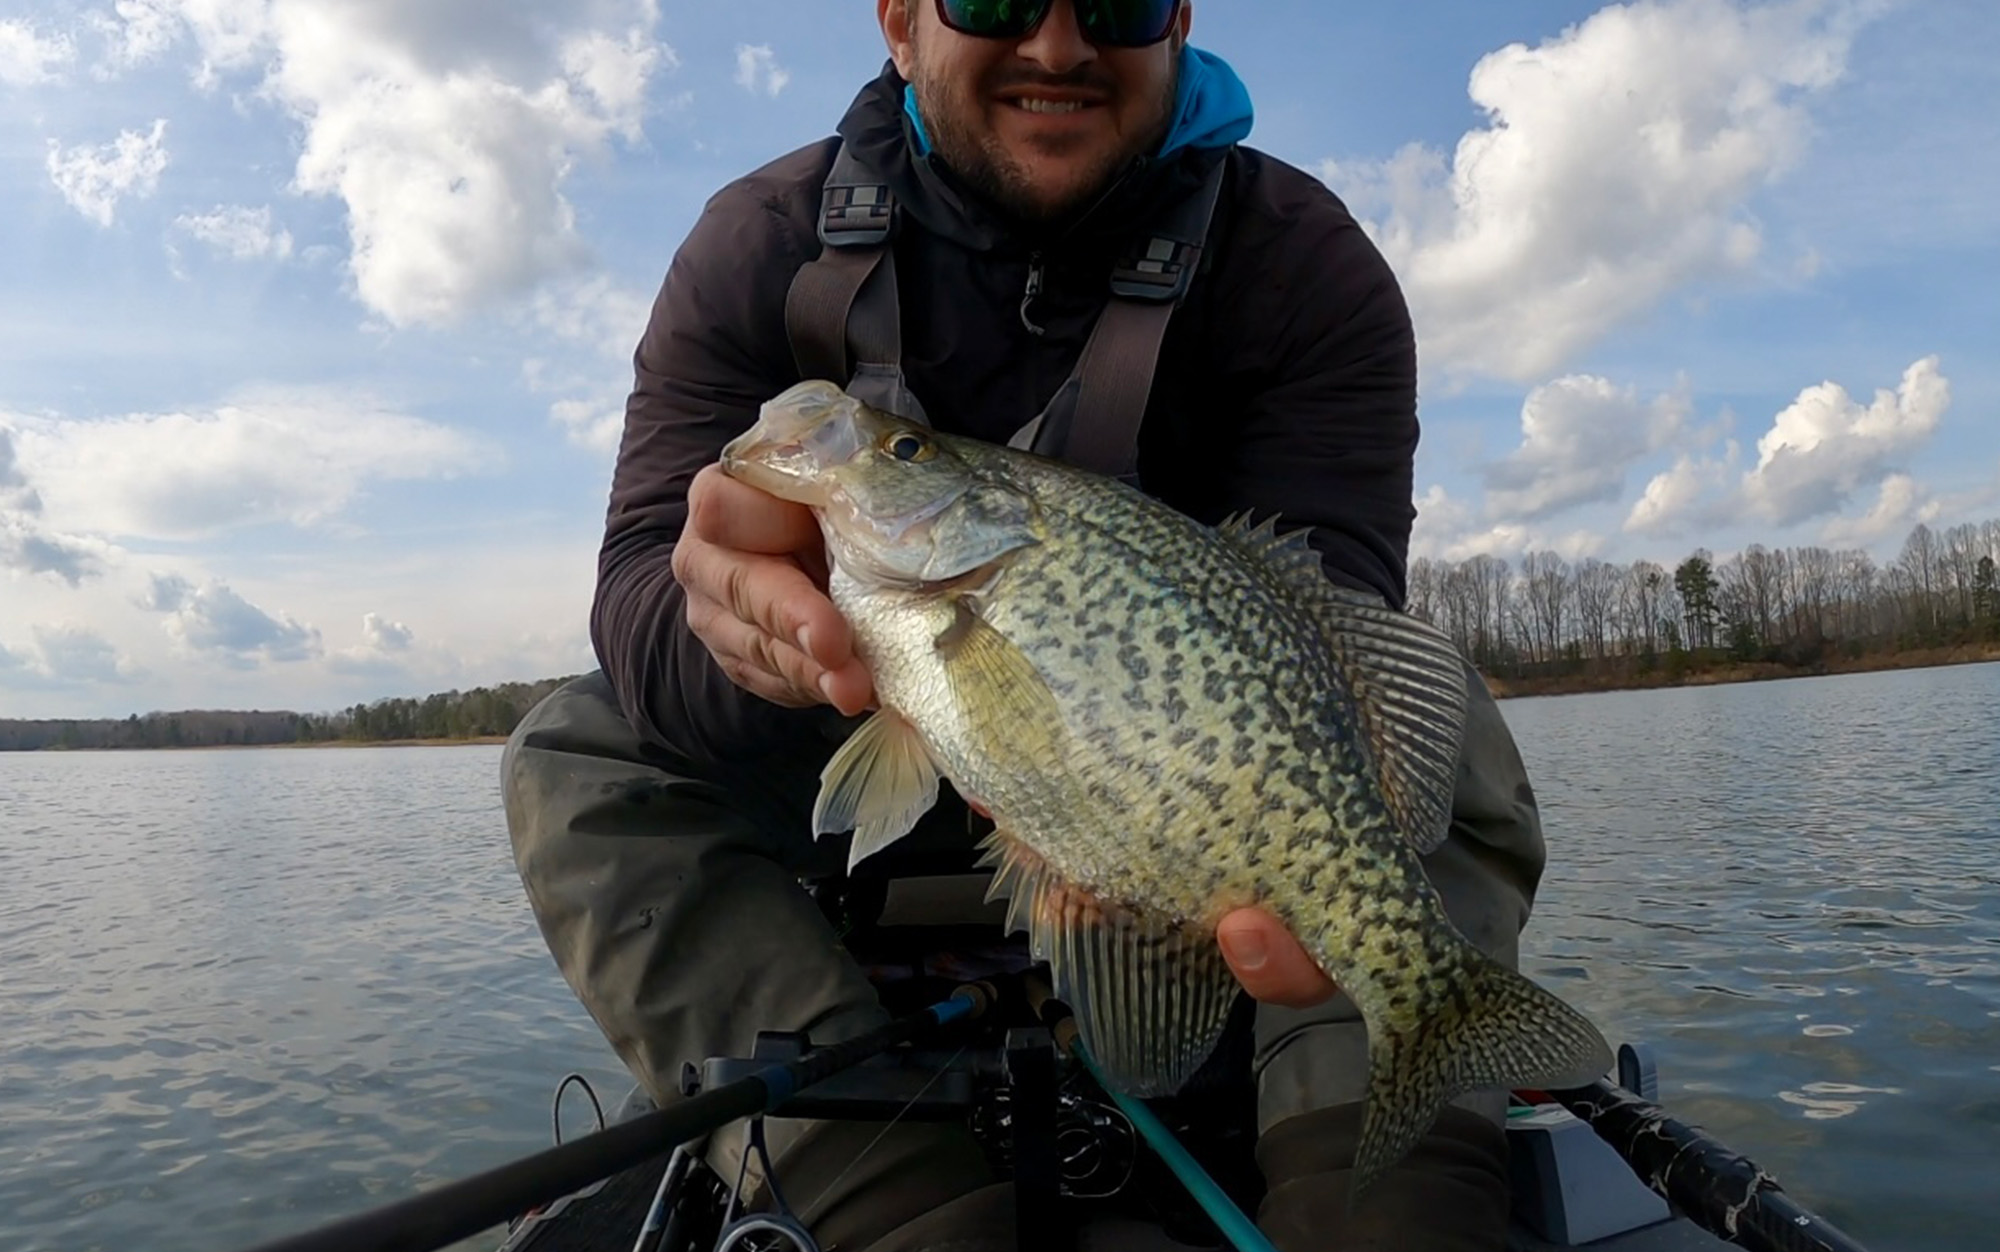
[1571, 1191]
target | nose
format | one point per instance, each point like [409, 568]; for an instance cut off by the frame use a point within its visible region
[1057, 44]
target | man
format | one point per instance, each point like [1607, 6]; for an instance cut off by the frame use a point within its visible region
[659, 809]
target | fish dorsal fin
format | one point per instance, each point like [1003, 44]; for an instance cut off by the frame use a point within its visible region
[1409, 686]
[1407, 678]
[880, 782]
[1151, 995]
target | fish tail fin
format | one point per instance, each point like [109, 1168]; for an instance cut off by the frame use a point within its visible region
[1495, 1030]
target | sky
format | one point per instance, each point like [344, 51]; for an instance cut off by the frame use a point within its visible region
[316, 316]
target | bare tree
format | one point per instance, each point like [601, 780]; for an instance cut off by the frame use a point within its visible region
[1545, 586]
[1596, 585]
[1919, 570]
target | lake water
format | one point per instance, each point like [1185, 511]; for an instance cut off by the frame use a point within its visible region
[248, 992]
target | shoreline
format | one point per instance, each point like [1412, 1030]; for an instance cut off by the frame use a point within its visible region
[1741, 672]
[324, 743]
[1624, 677]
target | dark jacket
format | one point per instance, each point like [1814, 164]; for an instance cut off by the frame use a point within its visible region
[1287, 380]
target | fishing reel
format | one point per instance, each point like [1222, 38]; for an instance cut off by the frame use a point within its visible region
[766, 1232]
[1096, 1146]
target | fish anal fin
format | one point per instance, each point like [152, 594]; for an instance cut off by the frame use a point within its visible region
[1151, 995]
[878, 784]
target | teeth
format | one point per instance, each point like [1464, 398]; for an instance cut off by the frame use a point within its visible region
[1050, 106]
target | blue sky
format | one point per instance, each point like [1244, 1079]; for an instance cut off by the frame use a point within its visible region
[316, 315]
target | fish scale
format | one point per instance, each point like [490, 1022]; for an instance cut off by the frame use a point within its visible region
[1167, 721]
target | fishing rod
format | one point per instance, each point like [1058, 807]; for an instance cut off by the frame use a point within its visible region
[462, 1209]
[1716, 1187]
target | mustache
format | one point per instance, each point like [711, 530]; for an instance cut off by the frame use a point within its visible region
[1083, 78]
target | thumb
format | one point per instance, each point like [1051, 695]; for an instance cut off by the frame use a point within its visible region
[1269, 962]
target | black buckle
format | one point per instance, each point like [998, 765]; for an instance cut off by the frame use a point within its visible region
[856, 215]
[1161, 270]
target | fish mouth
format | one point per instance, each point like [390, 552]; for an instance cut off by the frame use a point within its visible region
[783, 468]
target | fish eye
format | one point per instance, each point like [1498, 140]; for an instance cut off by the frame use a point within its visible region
[905, 446]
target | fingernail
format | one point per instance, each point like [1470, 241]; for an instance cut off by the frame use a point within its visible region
[1245, 949]
[806, 644]
[826, 687]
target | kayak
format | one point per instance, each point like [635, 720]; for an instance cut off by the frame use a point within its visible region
[1600, 1166]
[1571, 1190]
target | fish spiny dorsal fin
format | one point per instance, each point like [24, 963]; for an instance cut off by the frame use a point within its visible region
[1288, 555]
[1408, 679]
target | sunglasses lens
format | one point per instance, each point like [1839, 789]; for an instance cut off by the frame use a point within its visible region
[992, 18]
[1108, 23]
[1126, 23]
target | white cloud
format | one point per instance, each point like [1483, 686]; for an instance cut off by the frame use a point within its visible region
[385, 636]
[1822, 452]
[94, 180]
[28, 57]
[26, 545]
[1449, 529]
[67, 655]
[299, 458]
[136, 31]
[214, 621]
[758, 71]
[31, 549]
[1616, 167]
[1579, 436]
[1900, 504]
[239, 231]
[1682, 496]
[447, 129]
[386, 652]
[606, 317]
[1825, 447]
[76, 654]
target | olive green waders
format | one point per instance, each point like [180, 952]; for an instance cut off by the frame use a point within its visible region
[672, 901]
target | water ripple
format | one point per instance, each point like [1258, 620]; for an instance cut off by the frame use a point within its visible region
[222, 1031]
[1788, 890]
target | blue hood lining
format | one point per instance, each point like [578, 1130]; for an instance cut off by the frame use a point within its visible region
[1211, 110]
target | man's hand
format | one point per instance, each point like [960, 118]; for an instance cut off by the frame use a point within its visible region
[1269, 962]
[754, 569]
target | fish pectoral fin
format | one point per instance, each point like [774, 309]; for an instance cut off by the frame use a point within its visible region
[1151, 996]
[1500, 1032]
[987, 672]
[1408, 679]
[877, 785]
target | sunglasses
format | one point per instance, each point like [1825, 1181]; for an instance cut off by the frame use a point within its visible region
[1105, 23]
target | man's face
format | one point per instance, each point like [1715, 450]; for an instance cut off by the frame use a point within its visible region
[1039, 125]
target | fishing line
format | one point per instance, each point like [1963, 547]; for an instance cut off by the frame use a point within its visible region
[930, 1082]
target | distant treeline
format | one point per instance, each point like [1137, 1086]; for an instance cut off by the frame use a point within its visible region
[1589, 623]
[479, 713]
[1549, 625]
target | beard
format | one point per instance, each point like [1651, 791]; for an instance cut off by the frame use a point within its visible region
[994, 173]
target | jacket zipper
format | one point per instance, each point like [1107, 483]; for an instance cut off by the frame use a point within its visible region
[1034, 289]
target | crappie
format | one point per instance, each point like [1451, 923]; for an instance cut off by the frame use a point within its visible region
[1166, 721]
